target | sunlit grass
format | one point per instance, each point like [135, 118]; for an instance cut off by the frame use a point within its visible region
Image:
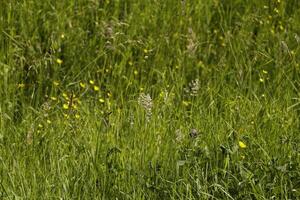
[149, 99]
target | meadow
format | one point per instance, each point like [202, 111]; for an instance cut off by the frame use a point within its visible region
[150, 99]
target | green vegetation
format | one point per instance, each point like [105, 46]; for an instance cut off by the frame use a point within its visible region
[149, 99]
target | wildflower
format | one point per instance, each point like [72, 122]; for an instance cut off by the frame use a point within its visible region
[92, 82]
[65, 106]
[145, 101]
[66, 116]
[82, 85]
[242, 145]
[53, 98]
[264, 71]
[101, 100]
[59, 61]
[293, 52]
[46, 106]
[48, 121]
[65, 96]
[77, 116]
[130, 63]
[162, 94]
[74, 106]
[193, 88]
[135, 72]
[56, 83]
[21, 85]
[145, 51]
[62, 36]
[281, 27]
[109, 94]
[40, 125]
[96, 88]
[261, 80]
[191, 42]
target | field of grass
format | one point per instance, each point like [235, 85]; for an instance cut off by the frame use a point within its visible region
[150, 99]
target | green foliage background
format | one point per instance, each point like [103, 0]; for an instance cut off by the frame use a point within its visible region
[229, 69]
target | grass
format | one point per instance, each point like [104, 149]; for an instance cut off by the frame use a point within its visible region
[149, 99]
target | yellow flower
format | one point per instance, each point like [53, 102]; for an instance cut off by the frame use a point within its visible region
[65, 96]
[77, 116]
[66, 116]
[48, 121]
[59, 61]
[74, 106]
[242, 145]
[161, 94]
[62, 36]
[261, 80]
[101, 100]
[145, 51]
[55, 83]
[82, 85]
[281, 27]
[65, 106]
[40, 125]
[21, 85]
[92, 82]
[135, 72]
[96, 88]
[130, 63]
[53, 98]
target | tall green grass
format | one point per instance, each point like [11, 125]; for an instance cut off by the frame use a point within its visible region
[149, 99]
